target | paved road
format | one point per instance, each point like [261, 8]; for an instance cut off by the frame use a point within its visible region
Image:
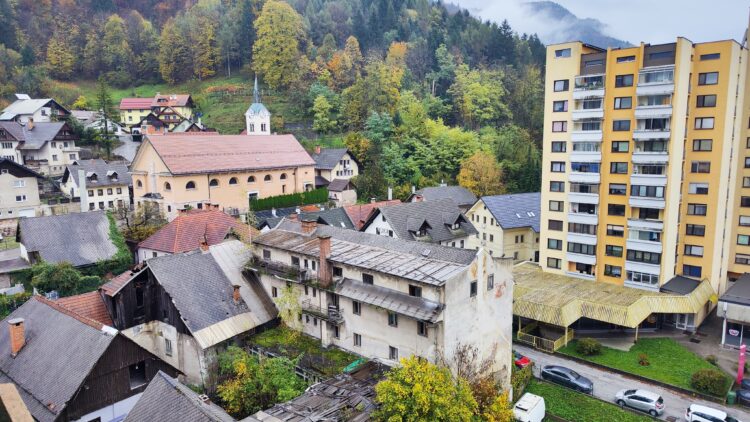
[607, 384]
[128, 148]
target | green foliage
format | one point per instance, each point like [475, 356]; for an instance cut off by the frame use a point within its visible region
[520, 378]
[9, 303]
[254, 385]
[315, 196]
[324, 120]
[63, 278]
[123, 259]
[712, 359]
[141, 223]
[481, 174]
[277, 49]
[588, 346]
[711, 381]
[289, 308]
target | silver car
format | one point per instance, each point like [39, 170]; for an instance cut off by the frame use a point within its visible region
[642, 400]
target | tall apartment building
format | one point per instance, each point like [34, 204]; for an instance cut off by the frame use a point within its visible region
[640, 172]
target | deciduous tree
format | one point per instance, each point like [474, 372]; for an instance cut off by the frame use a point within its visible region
[324, 120]
[276, 51]
[481, 174]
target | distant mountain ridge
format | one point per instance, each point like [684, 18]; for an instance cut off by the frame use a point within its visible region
[570, 27]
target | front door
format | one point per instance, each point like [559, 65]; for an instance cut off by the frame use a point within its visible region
[685, 322]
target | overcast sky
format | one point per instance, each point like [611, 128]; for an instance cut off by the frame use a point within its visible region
[652, 21]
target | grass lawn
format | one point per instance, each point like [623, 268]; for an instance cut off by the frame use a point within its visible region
[292, 344]
[577, 407]
[671, 362]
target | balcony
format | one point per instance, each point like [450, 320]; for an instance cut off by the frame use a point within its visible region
[583, 218]
[331, 314]
[284, 271]
[584, 198]
[645, 134]
[643, 245]
[648, 180]
[586, 156]
[581, 258]
[588, 113]
[637, 223]
[586, 239]
[646, 202]
[586, 135]
[653, 111]
[656, 81]
[577, 274]
[641, 267]
[660, 88]
[579, 177]
[646, 157]
[653, 286]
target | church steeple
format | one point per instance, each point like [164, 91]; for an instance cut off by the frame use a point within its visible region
[257, 116]
[256, 94]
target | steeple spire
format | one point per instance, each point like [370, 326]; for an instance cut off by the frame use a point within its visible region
[256, 95]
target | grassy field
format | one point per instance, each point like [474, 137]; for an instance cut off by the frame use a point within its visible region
[670, 362]
[577, 407]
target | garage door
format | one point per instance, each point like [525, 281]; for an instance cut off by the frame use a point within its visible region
[27, 213]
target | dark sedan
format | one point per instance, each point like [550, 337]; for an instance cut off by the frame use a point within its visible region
[568, 378]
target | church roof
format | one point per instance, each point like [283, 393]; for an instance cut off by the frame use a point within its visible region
[256, 108]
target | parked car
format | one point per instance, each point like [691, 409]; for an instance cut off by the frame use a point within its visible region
[520, 360]
[699, 413]
[743, 396]
[529, 408]
[568, 378]
[642, 400]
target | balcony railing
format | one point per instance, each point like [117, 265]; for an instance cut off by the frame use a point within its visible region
[331, 314]
[285, 271]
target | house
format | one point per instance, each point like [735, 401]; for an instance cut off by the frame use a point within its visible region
[734, 309]
[191, 229]
[82, 239]
[39, 110]
[439, 221]
[336, 217]
[257, 116]
[69, 367]
[92, 120]
[170, 110]
[187, 308]
[106, 185]
[341, 192]
[168, 400]
[334, 163]
[180, 171]
[386, 298]
[44, 147]
[507, 225]
[359, 213]
[19, 190]
[459, 194]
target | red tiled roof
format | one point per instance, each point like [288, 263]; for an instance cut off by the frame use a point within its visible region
[309, 208]
[359, 213]
[187, 231]
[89, 305]
[211, 153]
[135, 103]
[69, 312]
[112, 286]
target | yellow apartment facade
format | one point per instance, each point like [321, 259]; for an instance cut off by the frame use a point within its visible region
[507, 226]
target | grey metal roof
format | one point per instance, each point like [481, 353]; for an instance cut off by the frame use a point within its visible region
[168, 400]
[42, 133]
[392, 300]
[102, 170]
[336, 217]
[405, 218]
[459, 194]
[256, 108]
[515, 210]
[78, 238]
[328, 157]
[739, 292]
[338, 185]
[60, 352]
[680, 285]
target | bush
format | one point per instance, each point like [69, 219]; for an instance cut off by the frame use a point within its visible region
[643, 360]
[588, 346]
[315, 196]
[519, 379]
[712, 359]
[711, 381]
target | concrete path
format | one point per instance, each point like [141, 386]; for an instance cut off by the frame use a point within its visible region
[607, 384]
[128, 148]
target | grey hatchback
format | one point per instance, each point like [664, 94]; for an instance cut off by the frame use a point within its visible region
[642, 400]
[568, 378]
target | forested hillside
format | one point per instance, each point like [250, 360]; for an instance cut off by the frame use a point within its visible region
[420, 94]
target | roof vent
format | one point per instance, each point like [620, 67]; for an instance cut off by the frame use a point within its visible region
[530, 214]
[204, 399]
[426, 252]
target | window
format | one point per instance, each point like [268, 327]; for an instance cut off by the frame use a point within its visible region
[742, 259]
[618, 168]
[392, 353]
[620, 146]
[519, 239]
[168, 347]
[695, 230]
[267, 178]
[647, 191]
[213, 183]
[585, 167]
[368, 279]
[557, 186]
[691, 270]
[556, 206]
[274, 292]
[392, 319]
[109, 191]
[706, 101]
[612, 270]
[553, 263]
[558, 146]
[645, 257]
[616, 231]
[473, 289]
[625, 59]
[562, 85]
[555, 225]
[560, 126]
[697, 209]
[357, 340]
[415, 291]
[167, 186]
[8, 145]
[693, 250]
[700, 167]
[20, 198]
[422, 328]
[623, 103]
[54, 157]
[356, 307]
[581, 248]
[745, 220]
[119, 191]
[582, 228]
[648, 213]
[745, 201]
[189, 185]
[616, 209]
[617, 189]
[266, 254]
[100, 192]
[702, 144]
[711, 56]
[283, 176]
[612, 250]
[704, 122]
[490, 281]
[19, 183]
[698, 188]
[558, 166]
[621, 125]
[623, 80]
[139, 184]
[558, 106]
[233, 181]
[555, 244]
[251, 179]
[563, 52]
[709, 78]
[137, 374]
[92, 206]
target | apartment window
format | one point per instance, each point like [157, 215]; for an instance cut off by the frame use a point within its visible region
[100, 192]
[711, 56]
[647, 191]
[612, 250]
[618, 168]
[612, 271]
[392, 353]
[645, 257]
[702, 144]
[623, 103]
[709, 78]
[698, 188]
[415, 291]
[557, 167]
[274, 292]
[581, 248]
[556, 225]
[556, 206]
[559, 106]
[266, 254]
[693, 250]
[473, 289]
[357, 340]
[392, 319]
[20, 198]
[696, 229]
[616, 209]
[704, 122]
[697, 209]
[616, 231]
[553, 263]
[623, 80]
[617, 189]
[555, 244]
[368, 279]
[92, 206]
[700, 167]
[109, 191]
[557, 186]
[745, 201]
[422, 328]
[558, 146]
[562, 85]
[582, 228]
[747, 162]
[560, 126]
[648, 213]
[706, 101]
[519, 239]
[742, 259]
[625, 59]
[620, 146]
[691, 270]
[490, 281]
[356, 307]
[745, 220]
[621, 125]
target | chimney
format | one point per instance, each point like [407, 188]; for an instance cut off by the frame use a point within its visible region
[317, 149]
[17, 336]
[83, 193]
[273, 212]
[236, 294]
[30, 124]
[204, 244]
[390, 193]
[325, 274]
[309, 225]
[292, 217]
[373, 200]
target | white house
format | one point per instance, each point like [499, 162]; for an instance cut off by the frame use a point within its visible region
[19, 190]
[44, 147]
[257, 116]
[40, 110]
[334, 163]
[107, 185]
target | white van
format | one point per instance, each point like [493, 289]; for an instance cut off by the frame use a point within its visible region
[529, 408]
[698, 413]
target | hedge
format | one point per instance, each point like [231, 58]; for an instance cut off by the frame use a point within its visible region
[315, 196]
[9, 303]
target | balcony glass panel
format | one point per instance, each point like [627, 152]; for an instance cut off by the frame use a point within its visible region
[656, 77]
[585, 167]
[587, 83]
[578, 208]
[647, 236]
[643, 278]
[653, 124]
[654, 169]
[584, 188]
[587, 146]
[654, 100]
[589, 104]
[651, 146]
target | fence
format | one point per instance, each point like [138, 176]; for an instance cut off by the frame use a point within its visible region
[541, 343]
[309, 376]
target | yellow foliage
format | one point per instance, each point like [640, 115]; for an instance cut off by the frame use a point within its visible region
[481, 174]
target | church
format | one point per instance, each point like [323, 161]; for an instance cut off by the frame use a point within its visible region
[257, 116]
